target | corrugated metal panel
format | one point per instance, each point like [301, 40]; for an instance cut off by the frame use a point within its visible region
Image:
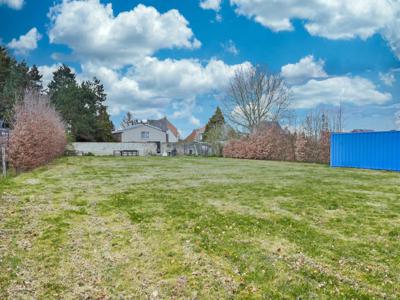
[366, 150]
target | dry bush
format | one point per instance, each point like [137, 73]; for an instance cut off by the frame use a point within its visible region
[38, 133]
[302, 148]
[313, 149]
[271, 143]
[274, 143]
[325, 147]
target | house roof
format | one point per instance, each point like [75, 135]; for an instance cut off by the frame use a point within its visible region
[137, 126]
[191, 137]
[164, 124]
[173, 129]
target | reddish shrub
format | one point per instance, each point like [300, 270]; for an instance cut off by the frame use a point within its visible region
[38, 133]
[325, 147]
[301, 148]
[271, 143]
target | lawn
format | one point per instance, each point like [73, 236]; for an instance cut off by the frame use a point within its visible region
[99, 228]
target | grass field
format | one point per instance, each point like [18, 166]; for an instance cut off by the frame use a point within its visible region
[99, 228]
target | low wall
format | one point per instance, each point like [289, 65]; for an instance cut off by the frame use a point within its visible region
[109, 148]
[187, 148]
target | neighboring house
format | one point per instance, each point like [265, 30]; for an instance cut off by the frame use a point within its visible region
[159, 131]
[165, 125]
[362, 130]
[196, 135]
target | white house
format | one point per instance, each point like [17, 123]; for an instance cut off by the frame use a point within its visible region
[159, 131]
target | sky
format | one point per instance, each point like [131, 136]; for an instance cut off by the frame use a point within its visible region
[174, 58]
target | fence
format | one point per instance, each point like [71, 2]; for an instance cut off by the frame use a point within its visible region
[366, 150]
[110, 148]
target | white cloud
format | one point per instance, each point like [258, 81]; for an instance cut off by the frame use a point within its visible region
[159, 84]
[306, 68]
[335, 19]
[25, 43]
[391, 33]
[387, 78]
[230, 47]
[47, 73]
[15, 4]
[211, 4]
[119, 51]
[120, 39]
[336, 90]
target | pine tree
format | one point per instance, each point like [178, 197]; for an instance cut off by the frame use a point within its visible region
[13, 83]
[214, 125]
[35, 79]
[81, 106]
[64, 95]
[5, 66]
[105, 126]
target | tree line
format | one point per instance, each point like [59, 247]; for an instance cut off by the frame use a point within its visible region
[257, 107]
[80, 105]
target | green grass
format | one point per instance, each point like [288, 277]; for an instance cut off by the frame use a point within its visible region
[99, 228]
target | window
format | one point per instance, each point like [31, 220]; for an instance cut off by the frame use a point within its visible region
[145, 134]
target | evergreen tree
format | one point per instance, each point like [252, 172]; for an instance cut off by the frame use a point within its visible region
[5, 66]
[81, 106]
[13, 83]
[215, 125]
[35, 79]
[105, 126]
[64, 95]
[63, 78]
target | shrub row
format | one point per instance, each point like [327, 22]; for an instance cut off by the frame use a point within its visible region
[273, 143]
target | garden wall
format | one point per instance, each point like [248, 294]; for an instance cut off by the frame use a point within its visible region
[109, 148]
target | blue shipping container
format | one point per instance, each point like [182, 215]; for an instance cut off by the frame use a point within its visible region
[366, 150]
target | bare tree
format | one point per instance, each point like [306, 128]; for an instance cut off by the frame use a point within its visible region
[127, 120]
[254, 96]
[320, 120]
[338, 120]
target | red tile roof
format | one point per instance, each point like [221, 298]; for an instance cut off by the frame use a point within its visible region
[173, 129]
[192, 137]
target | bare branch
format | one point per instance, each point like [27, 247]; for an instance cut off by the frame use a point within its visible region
[255, 96]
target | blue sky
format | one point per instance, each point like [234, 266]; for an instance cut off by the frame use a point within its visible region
[175, 57]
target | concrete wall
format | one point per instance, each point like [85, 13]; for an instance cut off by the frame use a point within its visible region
[109, 148]
[134, 134]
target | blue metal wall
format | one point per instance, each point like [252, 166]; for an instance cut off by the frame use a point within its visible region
[366, 150]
